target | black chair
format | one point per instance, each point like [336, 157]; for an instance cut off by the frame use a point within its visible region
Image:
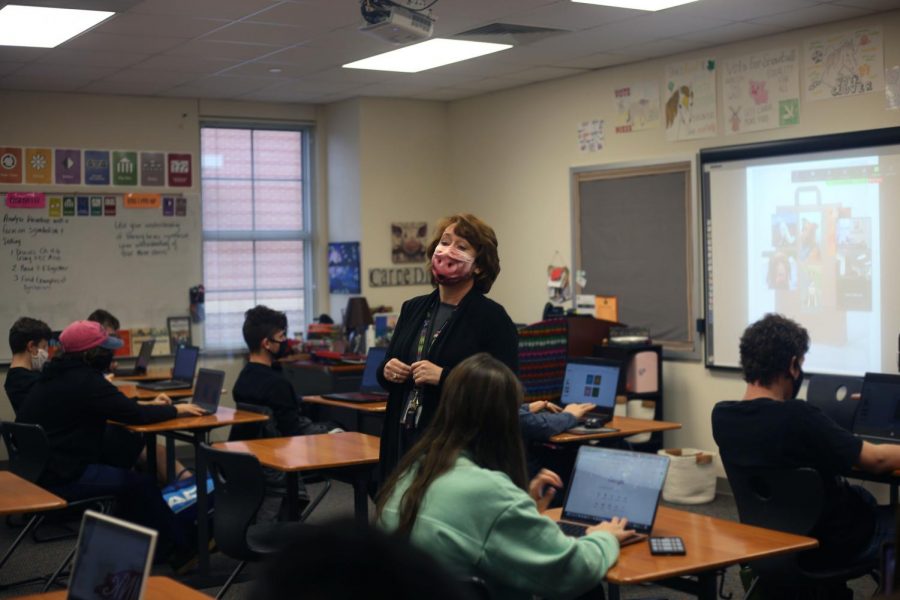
[789, 500]
[831, 394]
[240, 487]
[275, 479]
[29, 454]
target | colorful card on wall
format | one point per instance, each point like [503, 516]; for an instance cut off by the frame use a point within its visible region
[25, 200]
[637, 107]
[179, 170]
[690, 99]
[125, 168]
[590, 135]
[96, 206]
[109, 206]
[67, 164]
[606, 308]
[180, 206]
[142, 201]
[38, 165]
[10, 165]
[96, 167]
[68, 206]
[84, 206]
[168, 206]
[153, 168]
[55, 207]
[844, 64]
[761, 91]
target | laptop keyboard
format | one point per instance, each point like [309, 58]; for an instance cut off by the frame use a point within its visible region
[573, 529]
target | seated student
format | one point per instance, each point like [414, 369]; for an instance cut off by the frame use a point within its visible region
[770, 428]
[264, 332]
[29, 341]
[73, 401]
[461, 495]
[542, 420]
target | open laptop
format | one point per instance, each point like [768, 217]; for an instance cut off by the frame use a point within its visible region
[207, 390]
[369, 389]
[878, 416]
[140, 365]
[593, 380]
[182, 373]
[610, 483]
[112, 559]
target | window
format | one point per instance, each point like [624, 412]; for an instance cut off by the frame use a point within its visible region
[256, 232]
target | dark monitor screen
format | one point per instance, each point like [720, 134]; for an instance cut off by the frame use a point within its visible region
[143, 358]
[370, 374]
[185, 363]
[208, 389]
[879, 409]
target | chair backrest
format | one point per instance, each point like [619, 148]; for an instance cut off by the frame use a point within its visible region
[28, 449]
[789, 500]
[253, 431]
[831, 394]
[240, 487]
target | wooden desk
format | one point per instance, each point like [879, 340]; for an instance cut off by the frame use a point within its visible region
[158, 588]
[710, 543]
[626, 426]
[196, 432]
[368, 407]
[21, 496]
[150, 375]
[350, 450]
[132, 391]
[367, 417]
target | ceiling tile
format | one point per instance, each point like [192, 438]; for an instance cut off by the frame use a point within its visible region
[186, 64]
[62, 56]
[222, 50]
[212, 9]
[731, 33]
[542, 73]
[9, 67]
[19, 54]
[177, 26]
[444, 94]
[573, 16]
[217, 86]
[129, 88]
[265, 70]
[733, 10]
[594, 61]
[870, 4]
[110, 42]
[259, 33]
[320, 17]
[166, 78]
[53, 77]
[661, 48]
[806, 17]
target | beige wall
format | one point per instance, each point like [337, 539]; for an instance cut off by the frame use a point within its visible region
[510, 155]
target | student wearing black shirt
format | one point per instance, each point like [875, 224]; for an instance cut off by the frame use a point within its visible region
[29, 341]
[770, 428]
[73, 401]
[259, 383]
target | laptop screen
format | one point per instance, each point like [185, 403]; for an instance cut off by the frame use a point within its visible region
[879, 409]
[208, 389]
[112, 559]
[185, 363]
[616, 483]
[593, 380]
[143, 358]
[370, 375]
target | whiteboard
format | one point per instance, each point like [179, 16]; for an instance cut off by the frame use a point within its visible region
[138, 263]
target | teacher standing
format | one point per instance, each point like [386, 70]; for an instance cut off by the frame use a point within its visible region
[437, 331]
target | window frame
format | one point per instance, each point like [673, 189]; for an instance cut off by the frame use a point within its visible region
[305, 235]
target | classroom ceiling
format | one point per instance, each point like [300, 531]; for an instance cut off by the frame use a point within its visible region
[292, 50]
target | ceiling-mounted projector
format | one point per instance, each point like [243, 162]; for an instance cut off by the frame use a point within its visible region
[395, 23]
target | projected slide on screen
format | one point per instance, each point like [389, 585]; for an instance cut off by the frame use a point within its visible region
[811, 237]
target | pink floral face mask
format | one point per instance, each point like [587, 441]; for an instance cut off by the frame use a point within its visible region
[450, 265]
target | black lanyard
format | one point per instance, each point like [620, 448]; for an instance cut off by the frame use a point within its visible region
[409, 418]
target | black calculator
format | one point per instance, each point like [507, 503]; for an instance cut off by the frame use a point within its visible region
[663, 546]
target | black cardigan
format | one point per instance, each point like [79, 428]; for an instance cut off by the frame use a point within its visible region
[478, 325]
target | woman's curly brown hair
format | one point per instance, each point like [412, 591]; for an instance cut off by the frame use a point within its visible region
[483, 240]
[768, 346]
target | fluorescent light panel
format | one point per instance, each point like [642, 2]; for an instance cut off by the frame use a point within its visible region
[436, 52]
[42, 27]
[638, 4]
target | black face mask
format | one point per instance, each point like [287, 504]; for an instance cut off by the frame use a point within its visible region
[283, 349]
[798, 381]
[99, 358]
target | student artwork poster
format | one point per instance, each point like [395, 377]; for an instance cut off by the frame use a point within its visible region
[811, 255]
[761, 91]
[844, 64]
[689, 100]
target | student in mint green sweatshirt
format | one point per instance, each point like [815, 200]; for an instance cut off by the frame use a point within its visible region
[461, 494]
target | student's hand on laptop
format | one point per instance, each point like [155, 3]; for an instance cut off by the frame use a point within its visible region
[615, 526]
[425, 372]
[396, 371]
[543, 488]
[580, 410]
[190, 410]
[536, 407]
[162, 399]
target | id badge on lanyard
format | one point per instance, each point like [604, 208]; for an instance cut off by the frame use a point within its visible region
[412, 410]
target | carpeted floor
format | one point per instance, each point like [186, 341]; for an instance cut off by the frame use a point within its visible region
[33, 559]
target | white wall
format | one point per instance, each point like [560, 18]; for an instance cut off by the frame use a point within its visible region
[510, 155]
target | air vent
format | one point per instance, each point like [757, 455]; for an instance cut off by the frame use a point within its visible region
[508, 33]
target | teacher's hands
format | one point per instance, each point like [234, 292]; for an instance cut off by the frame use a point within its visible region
[426, 372]
[396, 371]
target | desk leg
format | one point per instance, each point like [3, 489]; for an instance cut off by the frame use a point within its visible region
[893, 494]
[292, 489]
[706, 585]
[202, 505]
[613, 590]
[361, 498]
[170, 459]
[150, 450]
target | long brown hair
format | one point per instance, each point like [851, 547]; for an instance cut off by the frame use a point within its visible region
[478, 414]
